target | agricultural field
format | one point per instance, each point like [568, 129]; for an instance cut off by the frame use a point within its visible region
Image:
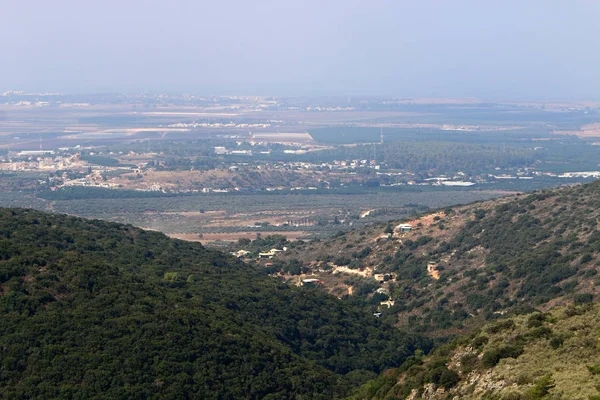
[217, 169]
[228, 217]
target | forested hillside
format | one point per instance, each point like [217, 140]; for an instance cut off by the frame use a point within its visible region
[460, 266]
[91, 309]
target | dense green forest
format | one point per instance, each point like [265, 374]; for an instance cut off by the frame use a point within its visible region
[92, 309]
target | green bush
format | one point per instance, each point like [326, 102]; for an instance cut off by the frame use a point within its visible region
[535, 320]
[541, 388]
[501, 326]
[556, 342]
[493, 356]
[540, 332]
[468, 362]
[440, 375]
[449, 379]
[594, 369]
[480, 341]
[584, 298]
[523, 379]
[342, 261]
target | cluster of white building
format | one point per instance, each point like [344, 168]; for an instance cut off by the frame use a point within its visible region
[217, 125]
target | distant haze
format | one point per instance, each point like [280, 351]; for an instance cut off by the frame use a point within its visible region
[420, 48]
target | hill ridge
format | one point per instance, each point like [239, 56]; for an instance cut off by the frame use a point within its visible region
[550, 355]
[93, 309]
[497, 257]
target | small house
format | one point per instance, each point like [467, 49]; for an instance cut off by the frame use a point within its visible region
[431, 266]
[240, 253]
[404, 228]
[268, 254]
[382, 277]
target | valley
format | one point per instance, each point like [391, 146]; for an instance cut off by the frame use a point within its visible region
[269, 165]
[489, 286]
[446, 271]
[299, 200]
[374, 247]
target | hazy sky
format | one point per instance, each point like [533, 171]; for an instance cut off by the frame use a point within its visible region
[445, 48]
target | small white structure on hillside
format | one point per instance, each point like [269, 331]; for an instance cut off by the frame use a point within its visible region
[387, 303]
[270, 254]
[404, 227]
[240, 253]
[310, 282]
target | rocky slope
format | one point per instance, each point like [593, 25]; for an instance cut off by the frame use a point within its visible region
[551, 355]
[460, 266]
